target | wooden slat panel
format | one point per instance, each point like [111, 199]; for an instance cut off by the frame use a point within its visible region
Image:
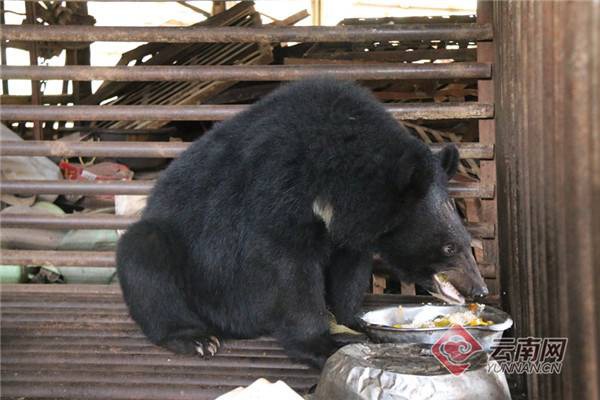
[548, 144]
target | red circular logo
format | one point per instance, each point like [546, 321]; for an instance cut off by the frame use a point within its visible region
[455, 348]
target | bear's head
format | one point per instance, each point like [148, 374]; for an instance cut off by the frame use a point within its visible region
[429, 245]
[401, 212]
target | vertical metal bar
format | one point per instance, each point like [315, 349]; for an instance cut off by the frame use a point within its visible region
[3, 49]
[33, 60]
[487, 135]
[317, 12]
[218, 7]
[81, 57]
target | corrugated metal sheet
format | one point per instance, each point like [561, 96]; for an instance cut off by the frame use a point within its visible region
[77, 341]
[70, 341]
[548, 151]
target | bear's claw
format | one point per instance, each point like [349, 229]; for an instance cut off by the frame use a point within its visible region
[215, 340]
[206, 347]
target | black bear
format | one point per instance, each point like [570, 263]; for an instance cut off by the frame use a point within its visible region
[273, 218]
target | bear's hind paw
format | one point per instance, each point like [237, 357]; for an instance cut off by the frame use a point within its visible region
[192, 343]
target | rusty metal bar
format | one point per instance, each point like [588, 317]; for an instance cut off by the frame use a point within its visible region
[99, 348]
[50, 377]
[140, 359]
[393, 56]
[93, 149]
[110, 221]
[77, 33]
[170, 372]
[3, 50]
[409, 111]
[98, 296]
[77, 390]
[76, 187]
[50, 257]
[6, 99]
[28, 187]
[30, 12]
[14, 306]
[104, 259]
[158, 149]
[76, 221]
[469, 70]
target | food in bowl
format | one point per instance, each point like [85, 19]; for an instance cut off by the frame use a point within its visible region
[379, 323]
[469, 317]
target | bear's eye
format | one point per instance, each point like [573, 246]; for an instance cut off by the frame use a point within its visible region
[449, 249]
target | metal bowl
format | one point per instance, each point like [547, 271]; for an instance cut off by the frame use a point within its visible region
[378, 324]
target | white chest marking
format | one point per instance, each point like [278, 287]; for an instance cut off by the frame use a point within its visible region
[324, 211]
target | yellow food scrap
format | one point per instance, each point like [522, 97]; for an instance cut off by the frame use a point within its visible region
[479, 322]
[470, 317]
[441, 322]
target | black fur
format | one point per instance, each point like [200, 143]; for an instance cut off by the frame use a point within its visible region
[229, 244]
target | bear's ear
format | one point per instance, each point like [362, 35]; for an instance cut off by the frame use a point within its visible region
[449, 159]
[415, 172]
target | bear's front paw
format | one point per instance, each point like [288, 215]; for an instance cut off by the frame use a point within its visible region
[207, 346]
[343, 339]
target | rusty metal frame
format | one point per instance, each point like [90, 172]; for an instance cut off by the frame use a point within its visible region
[71, 317]
[408, 111]
[213, 112]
